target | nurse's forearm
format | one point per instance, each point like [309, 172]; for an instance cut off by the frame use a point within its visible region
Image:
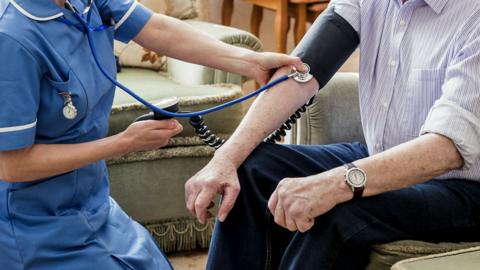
[45, 160]
[266, 114]
[174, 38]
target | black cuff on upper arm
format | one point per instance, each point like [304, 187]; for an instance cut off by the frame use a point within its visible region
[327, 45]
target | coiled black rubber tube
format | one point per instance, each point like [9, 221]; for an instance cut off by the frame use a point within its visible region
[202, 131]
[292, 120]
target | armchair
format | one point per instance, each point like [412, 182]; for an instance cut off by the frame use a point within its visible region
[335, 117]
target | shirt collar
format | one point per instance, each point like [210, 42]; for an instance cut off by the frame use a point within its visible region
[436, 5]
[39, 10]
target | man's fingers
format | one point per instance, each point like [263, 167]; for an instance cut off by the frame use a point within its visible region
[291, 225]
[279, 215]
[190, 197]
[201, 203]
[272, 202]
[230, 194]
[305, 224]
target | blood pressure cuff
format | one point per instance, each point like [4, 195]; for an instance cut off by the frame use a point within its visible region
[327, 45]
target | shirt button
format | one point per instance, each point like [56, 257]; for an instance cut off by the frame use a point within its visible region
[377, 146]
[385, 104]
[403, 23]
[393, 63]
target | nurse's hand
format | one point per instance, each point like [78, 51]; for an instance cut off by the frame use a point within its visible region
[149, 135]
[218, 177]
[264, 64]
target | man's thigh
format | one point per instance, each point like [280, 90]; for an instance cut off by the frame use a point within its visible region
[437, 210]
[274, 161]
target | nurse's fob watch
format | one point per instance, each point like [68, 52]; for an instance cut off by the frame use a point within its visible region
[69, 110]
[356, 179]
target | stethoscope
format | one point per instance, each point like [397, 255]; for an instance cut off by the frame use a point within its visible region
[84, 19]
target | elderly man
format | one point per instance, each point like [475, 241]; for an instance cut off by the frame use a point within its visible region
[312, 207]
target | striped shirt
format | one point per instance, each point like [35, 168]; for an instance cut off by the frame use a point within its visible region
[419, 73]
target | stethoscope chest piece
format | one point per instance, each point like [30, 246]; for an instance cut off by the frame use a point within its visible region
[69, 110]
[302, 77]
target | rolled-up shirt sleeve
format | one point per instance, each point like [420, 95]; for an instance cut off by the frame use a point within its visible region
[456, 114]
[129, 17]
[20, 76]
[349, 10]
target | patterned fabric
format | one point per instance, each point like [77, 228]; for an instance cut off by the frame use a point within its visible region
[133, 55]
[419, 73]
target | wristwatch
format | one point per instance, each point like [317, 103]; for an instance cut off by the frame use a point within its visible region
[356, 179]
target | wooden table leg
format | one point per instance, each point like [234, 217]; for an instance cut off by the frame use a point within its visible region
[300, 22]
[256, 20]
[227, 11]
[281, 26]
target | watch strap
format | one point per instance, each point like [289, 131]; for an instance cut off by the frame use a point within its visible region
[358, 192]
[350, 166]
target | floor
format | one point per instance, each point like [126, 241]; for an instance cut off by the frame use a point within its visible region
[197, 260]
[189, 260]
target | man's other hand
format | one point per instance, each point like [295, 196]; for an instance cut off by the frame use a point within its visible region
[296, 202]
[218, 177]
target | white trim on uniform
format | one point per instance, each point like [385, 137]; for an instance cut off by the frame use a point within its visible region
[33, 17]
[18, 128]
[127, 14]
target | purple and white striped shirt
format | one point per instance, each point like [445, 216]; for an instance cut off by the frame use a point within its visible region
[419, 73]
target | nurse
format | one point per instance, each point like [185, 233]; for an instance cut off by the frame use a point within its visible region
[55, 209]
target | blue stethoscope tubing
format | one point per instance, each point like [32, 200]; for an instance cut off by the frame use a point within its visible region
[89, 32]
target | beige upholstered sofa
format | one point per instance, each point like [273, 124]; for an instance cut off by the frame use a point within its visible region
[335, 117]
[150, 185]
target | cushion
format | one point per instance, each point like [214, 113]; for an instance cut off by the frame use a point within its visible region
[465, 259]
[134, 55]
[153, 86]
[383, 256]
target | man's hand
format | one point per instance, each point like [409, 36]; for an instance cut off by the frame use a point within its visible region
[296, 202]
[218, 177]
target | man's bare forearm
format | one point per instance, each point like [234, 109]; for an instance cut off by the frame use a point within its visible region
[405, 165]
[266, 114]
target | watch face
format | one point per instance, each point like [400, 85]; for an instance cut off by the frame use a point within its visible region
[356, 177]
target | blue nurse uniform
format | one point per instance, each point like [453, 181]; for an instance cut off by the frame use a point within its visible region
[66, 221]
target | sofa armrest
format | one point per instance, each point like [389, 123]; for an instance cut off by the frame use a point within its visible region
[334, 116]
[465, 259]
[191, 74]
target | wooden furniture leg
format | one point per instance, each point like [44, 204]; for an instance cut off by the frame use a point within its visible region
[227, 11]
[256, 20]
[281, 26]
[300, 22]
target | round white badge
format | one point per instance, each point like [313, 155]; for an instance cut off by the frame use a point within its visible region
[69, 111]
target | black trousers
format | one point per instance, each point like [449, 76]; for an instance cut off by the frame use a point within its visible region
[249, 239]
